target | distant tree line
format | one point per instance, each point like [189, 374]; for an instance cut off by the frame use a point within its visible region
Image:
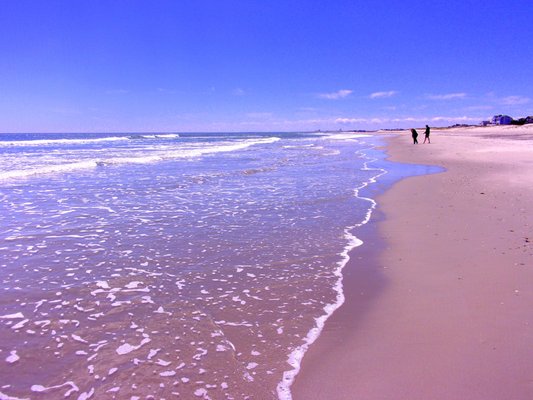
[522, 121]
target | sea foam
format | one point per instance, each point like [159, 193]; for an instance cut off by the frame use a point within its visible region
[296, 356]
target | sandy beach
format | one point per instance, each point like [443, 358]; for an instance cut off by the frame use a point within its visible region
[443, 307]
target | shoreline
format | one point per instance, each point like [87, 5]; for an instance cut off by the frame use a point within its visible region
[444, 310]
[296, 356]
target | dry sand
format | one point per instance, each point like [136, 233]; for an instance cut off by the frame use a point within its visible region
[450, 313]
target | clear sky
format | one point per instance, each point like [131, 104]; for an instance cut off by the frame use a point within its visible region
[269, 65]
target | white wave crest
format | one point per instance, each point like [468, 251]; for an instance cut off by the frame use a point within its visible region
[51, 142]
[161, 136]
[187, 152]
[48, 169]
[146, 158]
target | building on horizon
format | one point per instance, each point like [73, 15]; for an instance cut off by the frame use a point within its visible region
[501, 120]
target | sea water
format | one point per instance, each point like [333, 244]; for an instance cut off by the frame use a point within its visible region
[172, 265]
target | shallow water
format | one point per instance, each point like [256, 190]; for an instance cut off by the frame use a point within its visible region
[172, 265]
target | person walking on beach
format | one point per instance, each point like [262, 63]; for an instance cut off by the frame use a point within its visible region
[414, 133]
[427, 135]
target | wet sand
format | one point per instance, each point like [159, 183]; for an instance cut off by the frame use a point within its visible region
[444, 306]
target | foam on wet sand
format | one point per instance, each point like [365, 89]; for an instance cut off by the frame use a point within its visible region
[174, 277]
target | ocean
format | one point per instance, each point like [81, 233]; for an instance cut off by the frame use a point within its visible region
[183, 265]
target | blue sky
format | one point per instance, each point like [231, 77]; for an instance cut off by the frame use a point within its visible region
[249, 65]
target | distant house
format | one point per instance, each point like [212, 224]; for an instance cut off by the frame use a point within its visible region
[501, 120]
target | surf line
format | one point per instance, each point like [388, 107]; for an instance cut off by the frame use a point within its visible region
[296, 356]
